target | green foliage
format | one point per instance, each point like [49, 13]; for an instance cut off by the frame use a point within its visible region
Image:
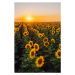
[23, 62]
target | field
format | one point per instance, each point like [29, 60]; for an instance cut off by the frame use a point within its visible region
[37, 46]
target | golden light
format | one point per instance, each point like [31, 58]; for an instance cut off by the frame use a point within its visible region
[29, 18]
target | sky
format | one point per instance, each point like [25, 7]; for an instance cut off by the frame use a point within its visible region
[37, 12]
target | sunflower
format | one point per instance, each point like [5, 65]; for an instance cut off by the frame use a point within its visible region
[31, 43]
[40, 35]
[53, 40]
[58, 54]
[58, 30]
[53, 28]
[36, 47]
[49, 27]
[46, 44]
[45, 39]
[34, 30]
[53, 32]
[25, 33]
[17, 29]
[59, 46]
[32, 53]
[39, 61]
[27, 46]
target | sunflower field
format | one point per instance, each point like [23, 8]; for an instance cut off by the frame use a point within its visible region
[37, 47]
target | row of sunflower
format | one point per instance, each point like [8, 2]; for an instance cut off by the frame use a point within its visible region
[41, 48]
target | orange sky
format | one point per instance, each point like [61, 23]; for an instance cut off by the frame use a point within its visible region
[37, 12]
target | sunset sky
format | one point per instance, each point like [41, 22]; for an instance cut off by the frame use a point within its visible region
[37, 12]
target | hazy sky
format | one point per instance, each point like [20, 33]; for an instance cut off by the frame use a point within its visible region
[38, 11]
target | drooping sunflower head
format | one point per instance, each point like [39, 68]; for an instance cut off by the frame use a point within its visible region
[31, 43]
[32, 53]
[45, 39]
[27, 46]
[53, 32]
[40, 61]
[25, 33]
[36, 47]
[46, 44]
[53, 40]
[58, 54]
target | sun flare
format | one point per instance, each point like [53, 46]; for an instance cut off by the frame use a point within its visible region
[28, 18]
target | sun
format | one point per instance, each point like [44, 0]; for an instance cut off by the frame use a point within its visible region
[29, 18]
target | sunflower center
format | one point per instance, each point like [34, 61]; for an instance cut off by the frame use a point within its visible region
[36, 46]
[28, 46]
[39, 61]
[45, 39]
[32, 53]
[59, 53]
[25, 33]
[46, 43]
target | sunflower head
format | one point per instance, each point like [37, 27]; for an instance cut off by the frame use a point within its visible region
[53, 40]
[58, 30]
[53, 28]
[27, 46]
[40, 61]
[32, 53]
[34, 30]
[17, 29]
[58, 54]
[25, 33]
[36, 47]
[45, 39]
[53, 32]
[31, 43]
[49, 27]
[40, 35]
[46, 44]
